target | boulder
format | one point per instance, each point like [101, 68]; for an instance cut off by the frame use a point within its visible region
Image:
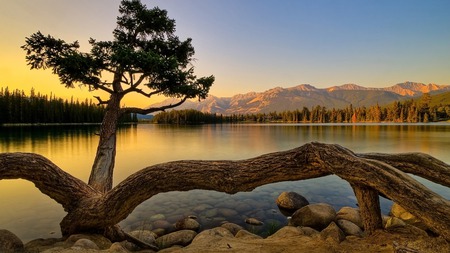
[84, 244]
[232, 227]
[407, 217]
[349, 228]
[333, 233]
[289, 202]
[187, 224]
[309, 231]
[287, 232]
[317, 216]
[350, 214]
[9, 242]
[182, 238]
[246, 235]
[100, 241]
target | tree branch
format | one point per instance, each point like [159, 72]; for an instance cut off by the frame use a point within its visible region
[309, 161]
[152, 109]
[47, 177]
[100, 101]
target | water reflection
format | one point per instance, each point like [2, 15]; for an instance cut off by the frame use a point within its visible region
[73, 149]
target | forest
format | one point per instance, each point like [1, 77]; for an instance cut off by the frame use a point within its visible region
[18, 108]
[408, 111]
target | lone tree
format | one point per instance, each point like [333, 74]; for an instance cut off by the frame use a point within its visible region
[145, 53]
[145, 57]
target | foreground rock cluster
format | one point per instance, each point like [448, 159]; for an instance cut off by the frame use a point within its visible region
[312, 228]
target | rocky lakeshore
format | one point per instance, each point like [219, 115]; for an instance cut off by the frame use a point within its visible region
[316, 227]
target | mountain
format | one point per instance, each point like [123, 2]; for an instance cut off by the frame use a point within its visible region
[305, 95]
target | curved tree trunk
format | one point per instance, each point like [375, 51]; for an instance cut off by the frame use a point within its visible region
[90, 210]
[103, 167]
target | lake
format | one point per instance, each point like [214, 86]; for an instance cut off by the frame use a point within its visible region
[30, 214]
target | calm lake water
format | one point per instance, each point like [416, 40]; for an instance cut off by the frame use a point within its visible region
[30, 214]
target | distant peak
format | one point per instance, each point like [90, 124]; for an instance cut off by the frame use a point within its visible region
[348, 86]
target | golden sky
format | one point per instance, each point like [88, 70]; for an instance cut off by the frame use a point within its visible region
[253, 45]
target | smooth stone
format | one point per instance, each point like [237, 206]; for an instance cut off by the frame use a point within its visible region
[333, 233]
[317, 216]
[232, 227]
[187, 223]
[227, 212]
[100, 241]
[253, 221]
[349, 228]
[291, 201]
[182, 238]
[287, 232]
[244, 234]
[146, 236]
[158, 216]
[85, 244]
[399, 212]
[309, 231]
[350, 214]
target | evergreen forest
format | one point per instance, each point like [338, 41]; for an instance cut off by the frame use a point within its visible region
[420, 110]
[18, 108]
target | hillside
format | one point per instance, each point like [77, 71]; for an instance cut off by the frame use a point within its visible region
[305, 95]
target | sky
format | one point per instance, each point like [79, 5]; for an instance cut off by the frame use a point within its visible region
[253, 45]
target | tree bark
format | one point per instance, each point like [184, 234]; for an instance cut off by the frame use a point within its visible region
[90, 210]
[369, 207]
[103, 167]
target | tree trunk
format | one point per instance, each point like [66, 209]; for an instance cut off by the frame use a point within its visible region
[90, 210]
[369, 207]
[103, 167]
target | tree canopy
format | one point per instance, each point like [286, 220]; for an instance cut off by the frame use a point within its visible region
[145, 56]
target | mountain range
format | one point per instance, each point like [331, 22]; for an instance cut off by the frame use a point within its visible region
[305, 95]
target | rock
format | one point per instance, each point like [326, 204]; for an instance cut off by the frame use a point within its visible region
[227, 212]
[159, 232]
[85, 244]
[100, 241]
[286, 232]
[350, 214]
[187, 224]
[253, 221]
[182, 238]
[232, 227]
[205, 235]
[9, 242]
[118, 248]
[246, 235]
[392, 222]
[407, 217]
[333, 233]
[158, 216]
[349, 228]
[39, 245]
[317, 216]
[144, 235]
[291, 201]
[162, 224]
[309, 231]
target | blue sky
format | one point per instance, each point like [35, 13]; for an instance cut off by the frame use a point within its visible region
[252, 45]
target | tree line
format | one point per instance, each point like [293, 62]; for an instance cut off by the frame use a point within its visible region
[17, 108]
[408, 111]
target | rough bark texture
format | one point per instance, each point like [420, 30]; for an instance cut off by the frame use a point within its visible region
[103, 167]
[90, 210]
[369, 207]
